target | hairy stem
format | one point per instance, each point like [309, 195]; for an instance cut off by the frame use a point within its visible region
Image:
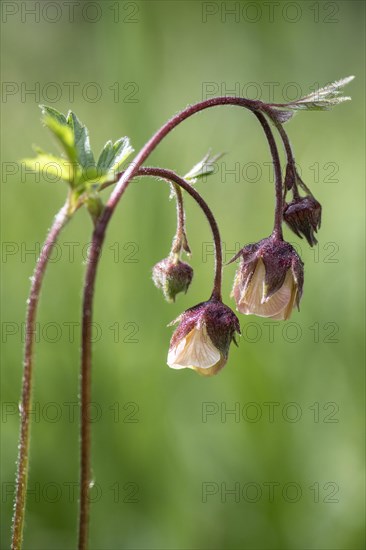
[289, 153]
[90, 277]
[180, 240]
[24, 437]
[286, 143]
[277, 229]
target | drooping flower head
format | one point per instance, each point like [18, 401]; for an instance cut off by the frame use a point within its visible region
[172, 276]
[202, 339]
[269, 280]
[303, 216]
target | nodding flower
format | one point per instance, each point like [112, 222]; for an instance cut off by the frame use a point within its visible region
[269, 280]
[202, 339]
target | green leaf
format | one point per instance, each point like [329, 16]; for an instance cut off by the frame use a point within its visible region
[79, 168]
[318, 104]
[51, 166]
[330, 91]
[321, 100]
[53, 113]
[204, 168]
[56, 122]
[105, 157]
[84, 153]
[122, 150]
[324, 98]
[114, 155]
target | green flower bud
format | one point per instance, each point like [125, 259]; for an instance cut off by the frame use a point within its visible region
[172, 276]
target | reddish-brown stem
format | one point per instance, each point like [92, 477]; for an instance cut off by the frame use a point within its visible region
[277, 229]
[180, 240]
[288, 150]
[26, 398]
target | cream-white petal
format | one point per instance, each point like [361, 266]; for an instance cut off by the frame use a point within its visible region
[174, 353]
[277, 304]
[254, 291]
[196, 350]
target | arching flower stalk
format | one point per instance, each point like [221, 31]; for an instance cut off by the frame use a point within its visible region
[171, 274]
[269, 280]
[303, 213]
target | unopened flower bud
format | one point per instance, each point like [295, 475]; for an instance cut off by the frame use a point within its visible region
[269, 280]
[202, 339]
[172, 276]
[303, 216]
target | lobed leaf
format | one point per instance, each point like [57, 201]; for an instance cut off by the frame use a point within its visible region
[84, 153]
[114, 155]
[53, 113]
[56, 122]
[322, 99]
[205, 167]
[50, 165]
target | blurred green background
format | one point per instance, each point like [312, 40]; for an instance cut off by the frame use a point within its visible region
[172, 467]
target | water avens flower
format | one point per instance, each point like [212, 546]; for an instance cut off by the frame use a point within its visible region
[269, 280]
[202, 339]
[172, 276]
[303, 216]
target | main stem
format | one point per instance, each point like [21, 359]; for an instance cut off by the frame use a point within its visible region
[90, 277]
[26, 398]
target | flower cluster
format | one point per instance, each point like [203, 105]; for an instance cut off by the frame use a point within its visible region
[270, 276]
[268, 283]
